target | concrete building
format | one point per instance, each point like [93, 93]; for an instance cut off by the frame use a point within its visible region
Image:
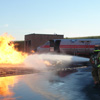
[32, 41]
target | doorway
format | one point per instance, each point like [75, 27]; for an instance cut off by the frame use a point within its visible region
[55, 45]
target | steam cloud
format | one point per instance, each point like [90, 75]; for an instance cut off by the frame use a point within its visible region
[39, 82]
[36, 61]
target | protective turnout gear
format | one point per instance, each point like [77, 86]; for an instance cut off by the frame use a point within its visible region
[96, 50]
[95, 74]
[98, 66]
[95, 62]
[98, 57]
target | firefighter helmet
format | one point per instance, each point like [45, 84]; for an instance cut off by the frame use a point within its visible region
[97, 48]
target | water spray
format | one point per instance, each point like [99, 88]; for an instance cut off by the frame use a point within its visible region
[37, 60]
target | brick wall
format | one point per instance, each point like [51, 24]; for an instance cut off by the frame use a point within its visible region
[32, 41]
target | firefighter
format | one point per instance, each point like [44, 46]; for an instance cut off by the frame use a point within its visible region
[95, 61]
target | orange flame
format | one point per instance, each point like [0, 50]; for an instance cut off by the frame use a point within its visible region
[47, 63]
[33, 51]
[5, 82]
[8, 54]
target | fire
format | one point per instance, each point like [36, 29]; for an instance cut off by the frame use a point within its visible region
[33, 51]
[8, 54]
[5, 83]
[47, 63]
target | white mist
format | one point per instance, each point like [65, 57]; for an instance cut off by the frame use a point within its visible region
[36, 61]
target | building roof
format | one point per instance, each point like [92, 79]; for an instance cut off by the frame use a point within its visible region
[44, 34]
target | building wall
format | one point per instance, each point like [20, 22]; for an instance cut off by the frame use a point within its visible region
[32, 41]
[19, 45]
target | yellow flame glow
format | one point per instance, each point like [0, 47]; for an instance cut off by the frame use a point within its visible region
[5, 82]
[47, 63]
[8, 54]
[33, 51]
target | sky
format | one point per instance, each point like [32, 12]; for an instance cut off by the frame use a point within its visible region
[71, 18]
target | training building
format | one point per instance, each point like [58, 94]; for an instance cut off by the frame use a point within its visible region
[19, 45]
[32, 41]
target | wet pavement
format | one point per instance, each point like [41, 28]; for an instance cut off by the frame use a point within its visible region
[47, 85]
